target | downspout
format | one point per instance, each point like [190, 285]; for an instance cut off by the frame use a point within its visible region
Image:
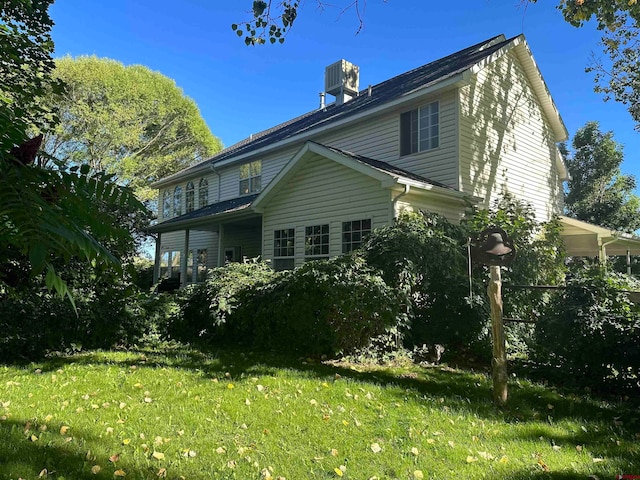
[213, 169]
[396, 198]
[603, 250]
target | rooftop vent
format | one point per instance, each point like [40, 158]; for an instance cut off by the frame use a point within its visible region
[341, 79]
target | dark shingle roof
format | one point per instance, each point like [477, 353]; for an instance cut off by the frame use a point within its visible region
[387, 167]
[226, 206]
[381, 93]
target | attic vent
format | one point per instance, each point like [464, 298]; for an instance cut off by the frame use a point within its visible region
[341, 79]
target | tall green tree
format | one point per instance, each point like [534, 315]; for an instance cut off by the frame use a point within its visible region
[46, 216]
[598, 192]
[128, 121]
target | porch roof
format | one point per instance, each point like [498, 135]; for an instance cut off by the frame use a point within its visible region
[584, 239]
[206, 215]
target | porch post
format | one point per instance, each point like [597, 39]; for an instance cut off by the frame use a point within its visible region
[628, 262]
[156, 265]
[220, 246]
[183, 259]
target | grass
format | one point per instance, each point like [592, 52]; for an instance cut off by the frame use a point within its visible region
[180, 413]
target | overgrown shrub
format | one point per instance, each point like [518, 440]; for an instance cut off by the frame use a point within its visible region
[205, 309]
[424, 256]
[540, 260]
[324, 307]
[590, 335]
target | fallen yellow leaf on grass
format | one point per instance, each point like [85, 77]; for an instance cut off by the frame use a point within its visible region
[158, 455]
[64, 429]
[471, 459]
[415, 451]
[418, 475]
[119, 473]
[114, 458]
[338, 471]
[504, 459]
[96, 469]
[375, 448]
[162, 473]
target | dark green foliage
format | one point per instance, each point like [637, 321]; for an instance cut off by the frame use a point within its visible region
[323, 307]
[591, 332]
[423, 256]
[598, 192]
[539, 261]
[108, 312]
[206, 308]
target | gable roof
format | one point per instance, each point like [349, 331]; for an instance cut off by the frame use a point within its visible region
[386, 174]
[437, 74]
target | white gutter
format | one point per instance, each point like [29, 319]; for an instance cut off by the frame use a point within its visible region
[395, 199]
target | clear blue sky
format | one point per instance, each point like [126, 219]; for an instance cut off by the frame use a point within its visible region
[242, 90]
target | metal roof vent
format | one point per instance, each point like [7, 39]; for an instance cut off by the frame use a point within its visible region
[342, 79]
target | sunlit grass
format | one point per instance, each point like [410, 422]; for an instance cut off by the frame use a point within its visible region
[180, 413]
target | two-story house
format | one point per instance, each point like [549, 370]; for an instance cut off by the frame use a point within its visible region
[466, 127]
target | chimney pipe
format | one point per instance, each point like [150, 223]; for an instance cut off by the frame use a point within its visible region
[322, 94]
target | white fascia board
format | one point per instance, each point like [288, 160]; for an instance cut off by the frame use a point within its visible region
[431, 190]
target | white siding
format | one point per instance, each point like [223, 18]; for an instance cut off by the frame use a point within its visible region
[247, 238]
[506, 143]
[198, 239]
[453, 211]
[322, 192]
[379, 139]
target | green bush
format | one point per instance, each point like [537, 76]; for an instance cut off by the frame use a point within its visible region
[590, 335]
[424, 256]
[205, 310]
[323, 307]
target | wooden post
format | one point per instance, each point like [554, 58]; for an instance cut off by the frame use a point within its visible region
[499, 360]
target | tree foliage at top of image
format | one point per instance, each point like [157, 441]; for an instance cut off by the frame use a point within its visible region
[128, 121]
[25, 69]
[598, 192]
[46, 216]
[619, 20]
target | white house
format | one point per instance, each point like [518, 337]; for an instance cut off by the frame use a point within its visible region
[466, 127]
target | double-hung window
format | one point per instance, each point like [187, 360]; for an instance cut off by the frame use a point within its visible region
[316, 241]
[250, 177]
[420, 129]
[284, 250]
[353, 233]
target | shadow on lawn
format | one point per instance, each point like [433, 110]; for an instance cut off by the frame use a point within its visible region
[459, 388]
[535, 406]
[22, 457]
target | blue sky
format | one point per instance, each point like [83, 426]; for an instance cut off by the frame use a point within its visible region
[242, 90]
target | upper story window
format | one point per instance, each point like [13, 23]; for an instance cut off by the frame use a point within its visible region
[203, 193]
[420, 129]
[353, 233]
[316, 241]
[250, 177]
[177, 201]
[189, 198]
[166, 204]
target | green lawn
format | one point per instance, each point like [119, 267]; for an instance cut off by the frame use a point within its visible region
[183, 414]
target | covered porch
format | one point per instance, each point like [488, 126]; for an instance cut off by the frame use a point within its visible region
[224, 232]
[582, 239]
